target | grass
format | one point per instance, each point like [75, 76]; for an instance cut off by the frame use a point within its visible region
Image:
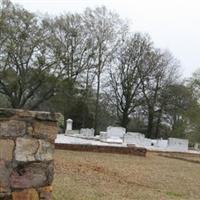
[174, 194]
[101, 176]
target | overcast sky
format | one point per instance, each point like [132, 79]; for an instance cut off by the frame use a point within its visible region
[172, 24]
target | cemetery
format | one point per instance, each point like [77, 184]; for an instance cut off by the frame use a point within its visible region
[95, 105]
[154, 173]
[118, 137]
[30, 168]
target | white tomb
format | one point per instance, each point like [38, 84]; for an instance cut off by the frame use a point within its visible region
[133, 138]
[117, 132]
[177, 144]
[139, 140]
[113, 134]
[87, 132]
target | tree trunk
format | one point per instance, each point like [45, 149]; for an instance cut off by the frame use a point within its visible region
[86, 99]
[150, 123]
[98, 91]
[97, 106]
[125, 120]
[157, 132]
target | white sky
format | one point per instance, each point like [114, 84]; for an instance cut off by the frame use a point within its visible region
[172, 24]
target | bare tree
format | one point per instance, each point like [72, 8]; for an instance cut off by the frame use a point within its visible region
[70, 44]
[72, 49]
[162, 67]
[104, 29]
[126, 78]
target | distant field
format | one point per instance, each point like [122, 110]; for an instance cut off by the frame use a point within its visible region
[102, 176]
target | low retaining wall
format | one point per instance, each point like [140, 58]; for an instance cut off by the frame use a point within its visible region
[103, 149]
[193, 154]
[26, 154]
[171, 156]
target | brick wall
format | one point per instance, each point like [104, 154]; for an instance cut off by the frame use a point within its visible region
[26, 154]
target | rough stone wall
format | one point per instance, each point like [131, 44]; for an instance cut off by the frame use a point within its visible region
[26, 154]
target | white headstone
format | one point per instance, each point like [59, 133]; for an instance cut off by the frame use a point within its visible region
[87, 132]
[133, 138]
[69, 123]
[197, 146]
[178, 144]
[115, 132]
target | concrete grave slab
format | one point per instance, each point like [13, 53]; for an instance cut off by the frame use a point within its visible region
[177, 144]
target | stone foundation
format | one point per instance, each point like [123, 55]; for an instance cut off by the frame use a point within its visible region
[26, 154]
[131, 150]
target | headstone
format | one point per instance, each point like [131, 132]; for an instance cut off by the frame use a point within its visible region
[87, 132]
[69, 123]
[115, 132]
[103, 136]
[177, 144]
[197, 146]
[133, 138]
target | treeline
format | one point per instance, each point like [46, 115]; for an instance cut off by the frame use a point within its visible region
[93, 69]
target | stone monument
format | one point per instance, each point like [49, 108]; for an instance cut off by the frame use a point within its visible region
[69, 123]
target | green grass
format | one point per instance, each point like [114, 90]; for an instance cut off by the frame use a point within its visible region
[174, 194]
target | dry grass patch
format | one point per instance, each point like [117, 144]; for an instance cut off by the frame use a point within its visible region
[102, 176]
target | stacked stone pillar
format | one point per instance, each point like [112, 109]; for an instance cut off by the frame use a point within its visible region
[26, 154]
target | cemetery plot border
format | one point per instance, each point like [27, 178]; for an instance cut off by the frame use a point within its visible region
[138, 151]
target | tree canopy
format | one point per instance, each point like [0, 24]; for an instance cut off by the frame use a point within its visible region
[90, 67]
